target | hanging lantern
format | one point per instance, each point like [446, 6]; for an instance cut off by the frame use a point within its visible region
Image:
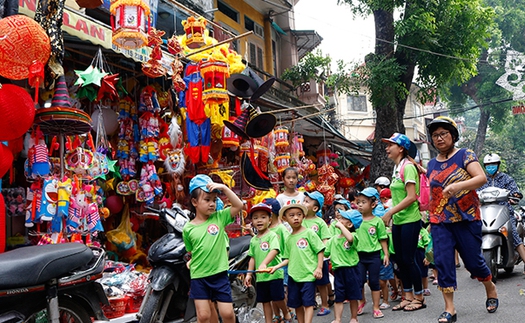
[24, 50]
[282, 161]
[129, 22]
[281, 137]
[17, 111]
[194, 29]
[215, 74]
[229, 138]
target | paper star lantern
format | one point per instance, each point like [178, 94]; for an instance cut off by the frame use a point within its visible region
[108, 88]
[92, 75]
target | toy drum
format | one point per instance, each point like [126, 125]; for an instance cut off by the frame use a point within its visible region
[229, 138]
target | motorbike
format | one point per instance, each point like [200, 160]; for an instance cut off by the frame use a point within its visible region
[497, 243]
[53, 283]
[167, 294]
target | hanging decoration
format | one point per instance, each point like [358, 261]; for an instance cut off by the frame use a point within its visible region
[17, 112]
[129, 23]
[153, 67]
[24, 50]
[194, 29]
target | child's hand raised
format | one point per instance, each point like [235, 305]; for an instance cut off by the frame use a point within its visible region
[215, 186]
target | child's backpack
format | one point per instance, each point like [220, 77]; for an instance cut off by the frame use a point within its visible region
[424, 187]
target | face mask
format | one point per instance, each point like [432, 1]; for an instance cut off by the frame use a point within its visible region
[491, 169]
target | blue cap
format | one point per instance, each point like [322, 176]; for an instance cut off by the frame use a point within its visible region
[315, 195]
[276, 206]
[219, 204]
[343, 202]
[369, 192]
[354, 216]
[399, 139]
[200, 181]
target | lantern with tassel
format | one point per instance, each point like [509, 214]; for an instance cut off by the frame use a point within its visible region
[129, 22]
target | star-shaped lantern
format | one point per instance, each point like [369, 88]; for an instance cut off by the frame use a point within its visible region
[108, 88]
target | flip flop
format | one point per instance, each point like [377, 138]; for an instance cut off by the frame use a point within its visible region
[360, 308]
[492, 302]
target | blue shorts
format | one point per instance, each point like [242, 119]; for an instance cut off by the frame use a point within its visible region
[300, 294]
[215, 287]
[347, 284]
[325, 280]
[272, 290]
[370, 264]
[386, 272]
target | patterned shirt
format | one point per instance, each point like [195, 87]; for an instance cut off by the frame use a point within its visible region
[502, 180]
[460, 207]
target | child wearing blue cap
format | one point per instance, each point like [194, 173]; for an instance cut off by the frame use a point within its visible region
[303, 254]
[265, 252]
[338, 205]
[282, 232]
[372, 239]
[314, 202]
[342, 250]
[205, 241]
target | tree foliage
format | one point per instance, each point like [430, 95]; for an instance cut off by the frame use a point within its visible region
[443, 39]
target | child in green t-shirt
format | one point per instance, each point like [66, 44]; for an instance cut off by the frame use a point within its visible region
[282, 232]
[303, 253]
[314, 220]
[423, 241]
[372, 239]
[265, 253]
[203, 238]
[343, 253]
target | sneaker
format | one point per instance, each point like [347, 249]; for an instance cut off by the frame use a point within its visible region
[323, 311]
[426, 292]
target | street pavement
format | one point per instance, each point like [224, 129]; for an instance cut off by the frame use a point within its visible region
[469, 300]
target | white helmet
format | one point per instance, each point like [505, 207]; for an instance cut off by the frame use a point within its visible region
[382, 181]
[491, 159]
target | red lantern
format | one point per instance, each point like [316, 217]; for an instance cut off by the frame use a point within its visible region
[6, 159]
[129, 22]
[24, 50]
[215, 74]
[346, 182]
[17, 111]
[194, 29]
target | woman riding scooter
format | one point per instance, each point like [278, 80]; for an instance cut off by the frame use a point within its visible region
[498, 179]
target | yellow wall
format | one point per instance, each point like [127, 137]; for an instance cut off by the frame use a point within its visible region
[244, 9]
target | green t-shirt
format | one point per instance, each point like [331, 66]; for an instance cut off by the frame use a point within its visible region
[424, 238]
[282, 234]
[411, 213]
[369, 233]
[333, 230]
[301, 250]
[390, 243]
[341, 252]
[259, 249]
[207, 244]
[318, 226]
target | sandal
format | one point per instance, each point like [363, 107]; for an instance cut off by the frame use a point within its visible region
[378, 314]
[492, 302]
[360, 308]
[331, 301]
[384, 306]
[446, 317]
[394, 295]
[401, 306]
[415, 305]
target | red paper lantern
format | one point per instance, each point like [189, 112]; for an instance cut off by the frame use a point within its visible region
[114, 204]
[129, 22]
[17, 111]
[23, 45]
[6, 159]
[346, 182]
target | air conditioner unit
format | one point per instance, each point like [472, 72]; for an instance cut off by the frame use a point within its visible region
[258, 30]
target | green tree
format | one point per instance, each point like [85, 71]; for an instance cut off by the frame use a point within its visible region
[441, 38]
[506, 34]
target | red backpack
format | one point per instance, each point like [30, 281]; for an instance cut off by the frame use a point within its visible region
[424, 187]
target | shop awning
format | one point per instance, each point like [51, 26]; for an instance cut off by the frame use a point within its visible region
[87, 28]
[307, 41]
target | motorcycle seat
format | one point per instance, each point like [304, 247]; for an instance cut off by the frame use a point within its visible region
[35, 265]
[239, 245]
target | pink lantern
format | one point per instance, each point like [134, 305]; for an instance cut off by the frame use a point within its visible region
[129, 22]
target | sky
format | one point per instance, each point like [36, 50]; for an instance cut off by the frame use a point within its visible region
[343, 36]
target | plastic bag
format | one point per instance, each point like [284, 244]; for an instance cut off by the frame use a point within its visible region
[123, 236]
